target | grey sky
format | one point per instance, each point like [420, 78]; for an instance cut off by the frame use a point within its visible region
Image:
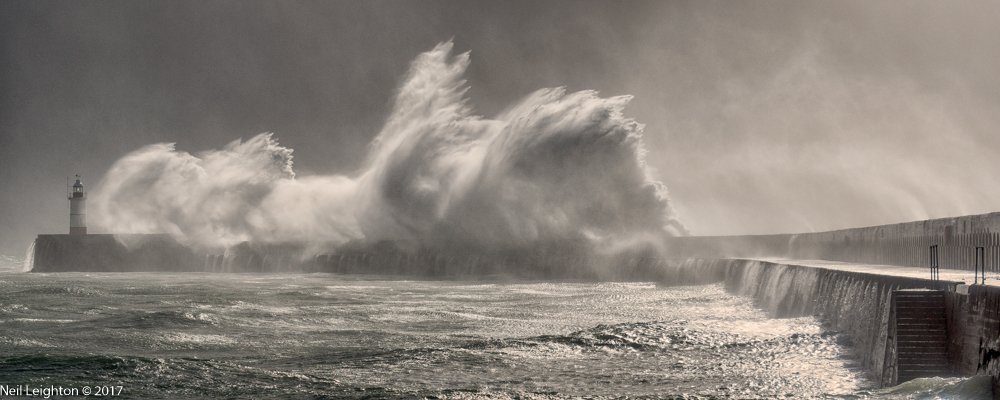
[760, 116]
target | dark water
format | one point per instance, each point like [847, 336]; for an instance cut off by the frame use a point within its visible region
[333, 336]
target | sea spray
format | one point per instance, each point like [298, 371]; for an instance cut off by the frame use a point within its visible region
[29, 258]
[11, 264]
[553, 167]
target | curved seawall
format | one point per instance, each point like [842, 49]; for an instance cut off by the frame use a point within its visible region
[856, 304]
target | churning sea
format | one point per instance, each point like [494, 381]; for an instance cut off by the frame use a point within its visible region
[311, 336]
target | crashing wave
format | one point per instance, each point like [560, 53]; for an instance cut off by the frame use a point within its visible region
[554, 166]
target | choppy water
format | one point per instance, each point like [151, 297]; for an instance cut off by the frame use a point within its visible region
[323, 335]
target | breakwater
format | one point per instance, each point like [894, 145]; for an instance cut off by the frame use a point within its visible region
[857, 304]
[903, 244]
[112, 253]
[862, 305]
[974, 331]
[562, 260]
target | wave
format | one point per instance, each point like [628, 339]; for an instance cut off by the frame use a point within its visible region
[554, 166]
[655, 337]
[154, 320]
[977, 387]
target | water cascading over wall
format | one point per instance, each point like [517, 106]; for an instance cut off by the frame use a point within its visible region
[855, 304]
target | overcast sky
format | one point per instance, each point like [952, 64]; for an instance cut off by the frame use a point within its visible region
[760, 117]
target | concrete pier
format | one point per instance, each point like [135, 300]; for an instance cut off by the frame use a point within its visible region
[902, 324]
[112, 253]
[904, 244]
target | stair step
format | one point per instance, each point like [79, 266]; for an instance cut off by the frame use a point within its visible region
[926, 347]
[922, 367]
[935, 358]
[920, 335]
[931, 314]
[919, 329]
[922, 373]
[940, 361]
[918, 325]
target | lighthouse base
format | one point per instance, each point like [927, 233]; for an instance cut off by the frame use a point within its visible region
[78, 230]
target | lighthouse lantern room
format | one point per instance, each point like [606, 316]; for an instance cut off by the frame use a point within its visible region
[78, 209]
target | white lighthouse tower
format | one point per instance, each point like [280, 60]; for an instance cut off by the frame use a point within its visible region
[78, 209]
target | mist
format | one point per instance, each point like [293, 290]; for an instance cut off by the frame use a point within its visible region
[760, 118]
[552, 167]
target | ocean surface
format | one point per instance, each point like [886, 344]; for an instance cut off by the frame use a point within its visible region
[337, 336]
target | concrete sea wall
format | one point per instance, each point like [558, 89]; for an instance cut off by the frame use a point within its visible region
[905, 244]
[974, 330]
[860, 306]
[112, 253]
[121, 253]
[853, 303]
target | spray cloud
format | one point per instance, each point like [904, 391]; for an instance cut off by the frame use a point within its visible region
[554, 166]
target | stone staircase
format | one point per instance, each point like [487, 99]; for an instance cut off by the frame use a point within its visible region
[921, 335]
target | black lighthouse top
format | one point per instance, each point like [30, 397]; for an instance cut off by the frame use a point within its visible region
[78, 187]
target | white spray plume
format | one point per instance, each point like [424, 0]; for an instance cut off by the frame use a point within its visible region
[553, 167]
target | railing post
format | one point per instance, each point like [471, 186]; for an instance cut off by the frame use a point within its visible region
[980, 264]
[934, 262]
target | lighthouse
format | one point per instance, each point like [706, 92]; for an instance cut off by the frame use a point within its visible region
[78, 209]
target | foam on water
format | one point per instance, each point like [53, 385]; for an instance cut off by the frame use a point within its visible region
[220, 335]
[212, 333]
[978, 387]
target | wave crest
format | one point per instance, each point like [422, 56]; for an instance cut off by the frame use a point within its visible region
[555, 166]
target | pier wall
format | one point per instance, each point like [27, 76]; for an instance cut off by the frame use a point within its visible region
[904, 244]
[859, 305]
[853, 303]
[974, 331]
[112, 253]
